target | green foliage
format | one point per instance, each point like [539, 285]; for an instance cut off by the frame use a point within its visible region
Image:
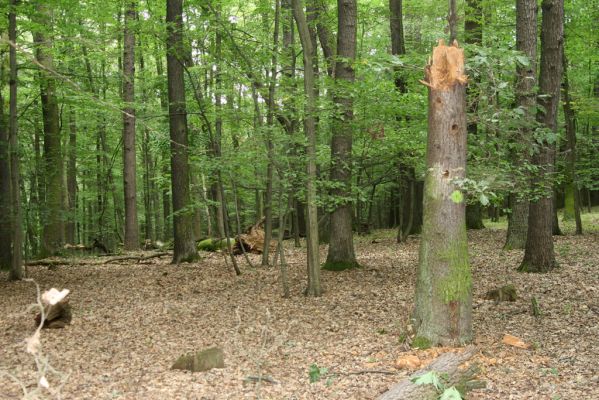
[433, 378]
[316, 373]
[420, 342]
[429, 378]
[389, 128]
[457, 196]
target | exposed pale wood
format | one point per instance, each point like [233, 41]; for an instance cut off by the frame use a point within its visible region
[452, 364]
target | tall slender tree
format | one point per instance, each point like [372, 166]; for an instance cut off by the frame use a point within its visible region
[53, 222]
[526, 42]
[184, 244]
[129, 160]
[341, 246]
[5, 210]
[71, 225]
[473, 34]
[16, 269]
[539, 255]
[270, 121]
[572, 196]
[314, 288]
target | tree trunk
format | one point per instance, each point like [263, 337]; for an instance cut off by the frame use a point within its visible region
[71, 226]
[269, 140]
[218, 129]
[341, 254]
[314, 288]
[473, 34]
[474, 218]
[16, 269]
[166, 195]
[572, 207]
[53, 227]
[556, 230]
[148, 164]
[443, 306]
[539, 254]
[452, 21]
[5, 201]
[526, 42]
[184, 245]
[129, 161]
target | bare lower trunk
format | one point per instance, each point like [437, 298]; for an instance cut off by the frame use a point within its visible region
[314, 288]
[5, 209]
[71, 225]
[526, 42]
[539, 253]
[184, 245]
[129, 161]
[269, 140]
[16, 268]
[341, 247]
[517, 223]
[53, 227]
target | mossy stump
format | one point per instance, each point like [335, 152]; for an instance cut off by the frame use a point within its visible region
[201, 361]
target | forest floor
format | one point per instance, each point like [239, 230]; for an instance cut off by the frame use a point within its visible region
[132, 320]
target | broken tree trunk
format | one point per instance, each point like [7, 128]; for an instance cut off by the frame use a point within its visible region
[56, 316]
[443, 306]
[454, 366]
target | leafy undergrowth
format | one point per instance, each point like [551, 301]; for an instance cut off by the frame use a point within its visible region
[131, 322]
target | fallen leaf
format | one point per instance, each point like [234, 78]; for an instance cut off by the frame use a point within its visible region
[515, 341]
[408, 362]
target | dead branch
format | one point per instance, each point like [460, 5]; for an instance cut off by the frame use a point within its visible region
[137, 258]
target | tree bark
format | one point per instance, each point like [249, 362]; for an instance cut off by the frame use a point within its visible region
[526, 42]
[443, 306]
[539, 253]
[314, 288]
[184, 244]
[341, 254]
[149, 200]
[5, 201]
[452, 21]
[129, 160]
[269, 140]
[71, 226]
[473, 34]
[53, 226]
[166, 195]
[572, 208]
[16, 269]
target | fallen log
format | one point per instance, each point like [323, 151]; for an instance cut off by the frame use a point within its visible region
[453, 366]
[49, 263]
[137, 258]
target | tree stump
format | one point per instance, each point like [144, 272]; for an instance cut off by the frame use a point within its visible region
[56, 316]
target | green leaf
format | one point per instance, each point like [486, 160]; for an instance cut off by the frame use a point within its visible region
[430, 378]
[316, 373]
[484, 200]
[451, 394]
[457, 197]
[523, 60]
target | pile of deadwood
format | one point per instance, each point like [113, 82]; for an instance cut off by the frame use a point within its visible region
[251, 241]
